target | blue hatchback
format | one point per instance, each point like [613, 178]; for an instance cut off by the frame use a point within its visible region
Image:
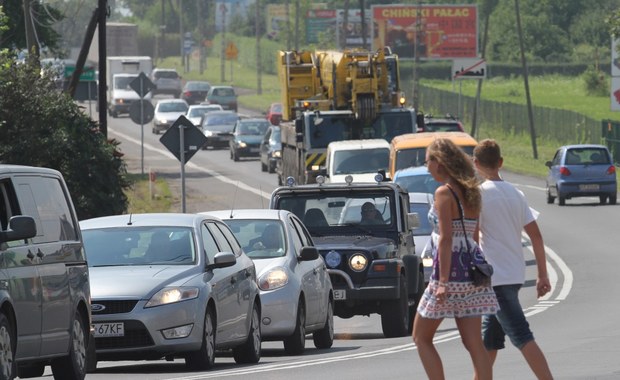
[584, 170]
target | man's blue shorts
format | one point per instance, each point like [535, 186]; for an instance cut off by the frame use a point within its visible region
[509, 320]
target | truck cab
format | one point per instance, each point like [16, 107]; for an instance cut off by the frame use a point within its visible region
[370, 258]
[121, 72]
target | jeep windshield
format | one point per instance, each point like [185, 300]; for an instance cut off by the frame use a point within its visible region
[350, 212]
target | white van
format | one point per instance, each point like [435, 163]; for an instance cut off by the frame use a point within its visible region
[45, 314]
[362, 159]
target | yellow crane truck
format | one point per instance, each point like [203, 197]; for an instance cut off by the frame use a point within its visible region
[336, 95]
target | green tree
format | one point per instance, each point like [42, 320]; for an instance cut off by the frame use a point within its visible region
[43, 15]
[41, 127]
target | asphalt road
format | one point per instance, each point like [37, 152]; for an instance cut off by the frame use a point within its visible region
[576, 325]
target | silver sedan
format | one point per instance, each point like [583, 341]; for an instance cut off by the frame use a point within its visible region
[295, 289]
[171, 285]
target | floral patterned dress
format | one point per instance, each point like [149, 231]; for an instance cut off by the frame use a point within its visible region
[464, 299]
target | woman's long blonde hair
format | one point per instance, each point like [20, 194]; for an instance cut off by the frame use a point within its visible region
[458, 165]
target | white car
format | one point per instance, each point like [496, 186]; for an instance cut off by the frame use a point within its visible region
[197, 111]
[421, 203]
[295, 289]
[167, 111]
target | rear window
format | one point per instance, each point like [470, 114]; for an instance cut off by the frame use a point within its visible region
[224, 92]
[589, 156]
[440, 126]
[173, 107]
[166, 74]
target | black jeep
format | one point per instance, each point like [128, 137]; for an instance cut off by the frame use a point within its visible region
[371, 258]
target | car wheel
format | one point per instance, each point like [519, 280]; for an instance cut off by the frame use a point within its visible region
[602, 199]
[249, 352]
[550, 198]
[561, 200]
[296, 343]
[263, 167]
[204, 358]
[395, 315]
[612, 199]
[324, 338]
[8, 367]
[73, 366]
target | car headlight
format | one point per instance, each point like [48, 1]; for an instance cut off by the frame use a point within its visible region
[162, 121]
[208, 133]
[277, 153]
[171, 295]
[273, 279]
[358, 262]
[242, 144]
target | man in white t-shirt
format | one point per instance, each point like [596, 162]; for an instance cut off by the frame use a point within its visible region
[504, 215]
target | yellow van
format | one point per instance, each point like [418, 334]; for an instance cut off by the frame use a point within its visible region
[410, 149]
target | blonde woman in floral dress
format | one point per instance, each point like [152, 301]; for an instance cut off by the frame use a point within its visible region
[450, 292]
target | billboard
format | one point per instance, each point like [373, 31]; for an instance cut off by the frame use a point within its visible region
[443, 31]
[226, 10]
[353, 38]
[319, 21]
[276, 19]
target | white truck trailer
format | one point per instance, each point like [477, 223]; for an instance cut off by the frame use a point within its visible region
[121, 71]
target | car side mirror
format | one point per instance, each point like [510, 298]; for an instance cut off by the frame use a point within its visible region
[223, 260]
[548, 164]
[20, 227]
[414, 220]
[308, 254]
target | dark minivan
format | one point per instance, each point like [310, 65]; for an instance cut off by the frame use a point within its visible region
[45, 315]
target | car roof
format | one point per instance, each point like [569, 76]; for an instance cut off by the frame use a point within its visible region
[253, 120]
[222, 112]
[420, 198]
[258, 213]
[581, 146]
[359, 144]
[142, 220]
[162, 69]
[423, 139]
[171, 101]
[220, 86]
[411, 171]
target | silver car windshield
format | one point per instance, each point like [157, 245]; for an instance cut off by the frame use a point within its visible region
[139, 246]
[260, 238]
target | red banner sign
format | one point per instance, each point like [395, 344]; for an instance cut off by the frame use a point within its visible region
[443, 31]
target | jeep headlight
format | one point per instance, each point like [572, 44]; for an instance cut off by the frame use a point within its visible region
[358, 262]
[172, 295]
[273, 279]
[333, 259]
[277, 153]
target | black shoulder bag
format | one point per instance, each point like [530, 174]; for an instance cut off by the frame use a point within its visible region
[479, 272]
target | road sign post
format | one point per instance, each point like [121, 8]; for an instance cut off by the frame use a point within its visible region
[143, 112]
[183, 139]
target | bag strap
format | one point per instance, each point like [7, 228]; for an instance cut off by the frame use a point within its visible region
[461, 212]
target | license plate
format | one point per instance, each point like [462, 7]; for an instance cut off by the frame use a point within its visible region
[253, 150]
[594, 187]
[106, 330]
[340, 294]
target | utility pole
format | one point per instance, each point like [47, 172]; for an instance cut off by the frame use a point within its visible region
[102, 15]
[525, 81]
[474, 122]
[297, 25]
[259, 84]
[288, 24]
[416, 56]
[31, 38]
[223, 52]
[162, 27]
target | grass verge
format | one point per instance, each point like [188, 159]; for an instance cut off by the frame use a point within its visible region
[147, 196]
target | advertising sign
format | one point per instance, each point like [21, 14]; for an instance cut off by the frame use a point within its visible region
[354, 28]
[320, 21]
[226, 10]
[443, 31]
[276, 20]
